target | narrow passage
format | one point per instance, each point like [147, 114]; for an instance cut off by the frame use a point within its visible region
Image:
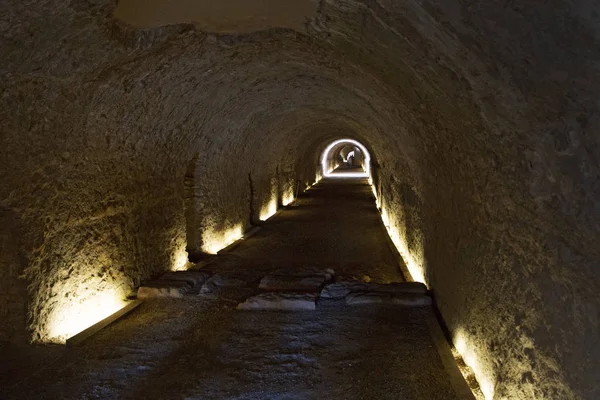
[335, 224]
[202, 347]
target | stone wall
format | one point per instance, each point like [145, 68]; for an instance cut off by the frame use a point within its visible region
[482, 120]
[13, 291]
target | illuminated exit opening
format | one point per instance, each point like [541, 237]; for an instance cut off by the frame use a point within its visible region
[346, 158]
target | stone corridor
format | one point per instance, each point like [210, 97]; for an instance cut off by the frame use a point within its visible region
[140, 138]
[201, 347]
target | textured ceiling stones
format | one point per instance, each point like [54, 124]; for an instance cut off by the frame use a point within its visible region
[222, 16]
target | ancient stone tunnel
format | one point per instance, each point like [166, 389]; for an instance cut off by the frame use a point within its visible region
[126, 141]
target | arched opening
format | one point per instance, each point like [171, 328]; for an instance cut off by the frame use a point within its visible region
[346, 158]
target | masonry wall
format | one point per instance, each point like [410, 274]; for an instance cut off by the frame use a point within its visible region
[483, 119]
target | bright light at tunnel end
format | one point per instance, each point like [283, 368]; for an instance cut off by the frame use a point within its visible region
[329, 174]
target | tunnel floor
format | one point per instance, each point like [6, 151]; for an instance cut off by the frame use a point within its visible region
[201, 347]
[335, 224]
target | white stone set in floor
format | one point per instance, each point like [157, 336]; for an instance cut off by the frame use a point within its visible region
[179, 283]
[290, 292]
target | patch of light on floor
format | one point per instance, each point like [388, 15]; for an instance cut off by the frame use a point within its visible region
[85, 305]
[214, 240]
[471, 359]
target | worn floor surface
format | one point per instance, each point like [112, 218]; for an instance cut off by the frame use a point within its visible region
[335, 224]
[201, 347]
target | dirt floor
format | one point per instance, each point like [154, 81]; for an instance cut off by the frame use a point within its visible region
[335, 224]
[201, 347]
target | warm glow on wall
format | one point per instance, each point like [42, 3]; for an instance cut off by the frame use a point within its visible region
[213, 240]
[268, 210]
[179, 258]
[288, 197]
[414, 265]
[81, 306]
[374, 190]
[472, 361]
[287, 200]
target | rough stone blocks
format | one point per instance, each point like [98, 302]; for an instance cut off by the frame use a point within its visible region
[280, 301]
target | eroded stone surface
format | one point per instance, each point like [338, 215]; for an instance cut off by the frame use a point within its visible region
[486, 152]
[339, 290]
[221, 16]
[191, 277]
[328, 273]
[216, 282]
[293, 283]
[163, 288]
[398, 299]
[280, 301]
